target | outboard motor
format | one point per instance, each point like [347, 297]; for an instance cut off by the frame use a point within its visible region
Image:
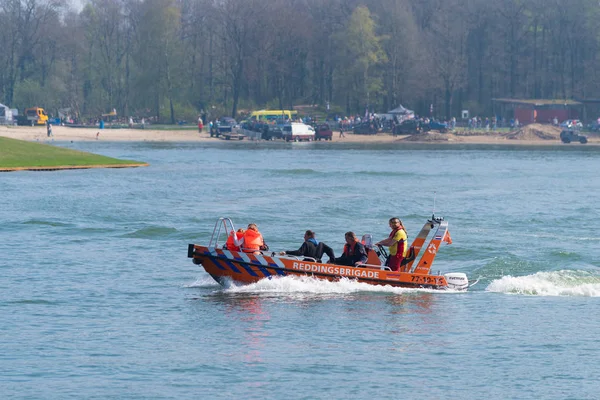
[457, 280]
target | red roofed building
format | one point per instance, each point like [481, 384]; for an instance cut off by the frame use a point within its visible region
[541, 111]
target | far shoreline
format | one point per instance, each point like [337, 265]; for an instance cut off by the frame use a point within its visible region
[69, 134]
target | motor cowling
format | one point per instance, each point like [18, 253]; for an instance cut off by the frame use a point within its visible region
[457, 280]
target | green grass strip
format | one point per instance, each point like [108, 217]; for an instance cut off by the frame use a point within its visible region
[18, 154]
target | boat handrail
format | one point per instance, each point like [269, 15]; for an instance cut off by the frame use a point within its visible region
[381, 267]
[222, 222]
[293, 257]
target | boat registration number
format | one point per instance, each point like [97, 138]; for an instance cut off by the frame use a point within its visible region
[430, 280]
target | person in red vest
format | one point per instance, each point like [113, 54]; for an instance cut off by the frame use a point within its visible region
[354, 254]
[230, 244]
[253, 241]
[396, 243]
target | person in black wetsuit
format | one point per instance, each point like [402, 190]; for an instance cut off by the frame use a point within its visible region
[311, 248]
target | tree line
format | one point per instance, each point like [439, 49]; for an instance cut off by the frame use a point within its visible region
[173, 59]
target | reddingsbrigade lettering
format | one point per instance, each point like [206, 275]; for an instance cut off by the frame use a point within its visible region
[330, 269]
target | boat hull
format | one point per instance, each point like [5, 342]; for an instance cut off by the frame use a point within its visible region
[244, 268]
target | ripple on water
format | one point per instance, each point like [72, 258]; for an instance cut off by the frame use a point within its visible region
[43, 222]
[151, 232]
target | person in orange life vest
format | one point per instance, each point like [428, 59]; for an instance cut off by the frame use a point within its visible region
[230, 244]
[252, 242]
[354, 252]
[396, 243]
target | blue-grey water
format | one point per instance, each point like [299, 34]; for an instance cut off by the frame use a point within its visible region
[98, 299]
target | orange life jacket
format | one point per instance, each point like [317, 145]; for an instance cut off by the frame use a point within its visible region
[230, 244]
[252, 241]
[349, 251]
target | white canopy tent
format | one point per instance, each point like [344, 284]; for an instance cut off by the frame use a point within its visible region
[402, 113]
[401, 110]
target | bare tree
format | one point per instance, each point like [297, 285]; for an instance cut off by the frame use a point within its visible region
[241, 31]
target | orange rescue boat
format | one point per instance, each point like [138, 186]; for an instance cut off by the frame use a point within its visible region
[227, 266]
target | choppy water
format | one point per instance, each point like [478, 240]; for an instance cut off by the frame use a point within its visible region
[98, 299]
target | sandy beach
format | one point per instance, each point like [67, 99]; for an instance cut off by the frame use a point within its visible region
[531, 135]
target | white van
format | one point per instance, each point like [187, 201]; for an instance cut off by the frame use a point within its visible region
[6, 115]
[297, 131]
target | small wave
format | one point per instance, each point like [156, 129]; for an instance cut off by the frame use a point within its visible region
[297, 171]
[151, 232]
[557, 283]
[384, 173]
[35, 302]
[46, 223]
[202, 282]
[567, 255]
[309, 285]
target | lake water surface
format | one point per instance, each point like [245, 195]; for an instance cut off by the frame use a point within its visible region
[98, 299]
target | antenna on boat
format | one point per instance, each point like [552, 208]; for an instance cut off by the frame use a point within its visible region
[433, 215]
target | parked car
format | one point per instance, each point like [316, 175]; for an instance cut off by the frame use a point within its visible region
[272, 132]
[569, 135]
[224, 125]
[407, 127]
[274, 129]
[323, 131]
[571, 124]
[413, 126]
[365, 128]
[436, 126]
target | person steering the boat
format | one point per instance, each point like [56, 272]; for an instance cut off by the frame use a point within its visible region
[311, 248]
[396, 243]
[354, 254]
[252, 241]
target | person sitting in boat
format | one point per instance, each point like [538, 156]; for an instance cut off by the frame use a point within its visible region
[355, 253]
[252, 241]
[396, 243]
[311, 248]
[230, 244]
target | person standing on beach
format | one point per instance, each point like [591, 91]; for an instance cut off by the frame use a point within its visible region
[49, 130]
[342, 132]
[200, 124]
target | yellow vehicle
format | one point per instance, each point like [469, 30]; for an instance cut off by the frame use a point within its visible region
[270, 115]
[36, 116]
